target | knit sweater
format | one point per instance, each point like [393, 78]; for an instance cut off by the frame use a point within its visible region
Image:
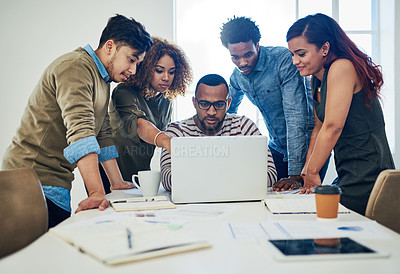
[68, 104]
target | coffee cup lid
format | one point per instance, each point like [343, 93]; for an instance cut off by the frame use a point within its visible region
[327, 189]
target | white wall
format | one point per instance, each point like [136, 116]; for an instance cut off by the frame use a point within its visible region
[35, 32]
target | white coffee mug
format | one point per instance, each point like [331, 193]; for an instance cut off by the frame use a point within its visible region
[149, 182]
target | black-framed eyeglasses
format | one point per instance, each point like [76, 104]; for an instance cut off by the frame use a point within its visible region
[205, 105]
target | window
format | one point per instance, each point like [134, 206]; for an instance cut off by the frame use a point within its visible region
[198, 26]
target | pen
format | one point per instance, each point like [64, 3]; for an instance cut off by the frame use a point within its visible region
[134, 201]
[129, 236]
[351, 228]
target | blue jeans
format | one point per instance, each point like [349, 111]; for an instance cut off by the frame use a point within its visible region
[282, 166]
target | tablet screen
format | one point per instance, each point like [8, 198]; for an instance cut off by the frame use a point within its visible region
[295, 247]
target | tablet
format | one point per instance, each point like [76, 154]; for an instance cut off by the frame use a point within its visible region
[325, 248]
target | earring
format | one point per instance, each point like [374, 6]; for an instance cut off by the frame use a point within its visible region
[324, 54]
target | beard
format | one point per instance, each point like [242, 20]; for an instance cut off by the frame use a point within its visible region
[208, 127]
[110, 69]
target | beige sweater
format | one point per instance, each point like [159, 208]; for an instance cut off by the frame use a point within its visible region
[68, 104]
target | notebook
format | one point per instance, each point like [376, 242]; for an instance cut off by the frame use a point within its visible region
[295, 204]
[142, 203]
[218, 169]
[116, 239]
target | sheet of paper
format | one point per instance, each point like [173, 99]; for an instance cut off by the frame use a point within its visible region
[104, 226]
[197, 212]
[254, 231]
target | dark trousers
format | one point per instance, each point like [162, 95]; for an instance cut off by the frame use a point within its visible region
[56, 214]
[104, 179]
[282, 166]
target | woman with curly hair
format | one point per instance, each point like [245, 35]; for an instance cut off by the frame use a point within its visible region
[141, 108]
[348, 115]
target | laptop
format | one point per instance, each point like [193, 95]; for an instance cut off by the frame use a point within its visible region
[218, 169]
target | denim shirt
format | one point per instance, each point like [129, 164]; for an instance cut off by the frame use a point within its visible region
[279, 92]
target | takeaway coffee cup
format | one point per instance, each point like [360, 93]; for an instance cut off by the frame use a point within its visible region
[327, 199]
[149, 182]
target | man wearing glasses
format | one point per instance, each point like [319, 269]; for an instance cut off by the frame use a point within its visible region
[211, 102]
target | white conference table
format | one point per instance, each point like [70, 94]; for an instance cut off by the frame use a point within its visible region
[50, 254]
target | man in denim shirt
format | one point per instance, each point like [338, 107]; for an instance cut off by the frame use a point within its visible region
[268, 78]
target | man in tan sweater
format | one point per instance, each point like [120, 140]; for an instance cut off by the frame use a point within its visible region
[66, 125]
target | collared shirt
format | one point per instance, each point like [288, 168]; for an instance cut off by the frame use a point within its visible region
[59, 195]
[98, 63]
[277, 89]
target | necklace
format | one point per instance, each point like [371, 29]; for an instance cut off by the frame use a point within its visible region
[319, 90]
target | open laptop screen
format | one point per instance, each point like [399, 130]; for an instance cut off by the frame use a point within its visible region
[218, 168]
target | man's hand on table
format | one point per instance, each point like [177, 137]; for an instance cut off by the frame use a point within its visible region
[93, 201]
[290, 183]
[121, 185]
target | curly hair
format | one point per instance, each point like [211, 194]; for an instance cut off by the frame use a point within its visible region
[144, 74]
[239, 29]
